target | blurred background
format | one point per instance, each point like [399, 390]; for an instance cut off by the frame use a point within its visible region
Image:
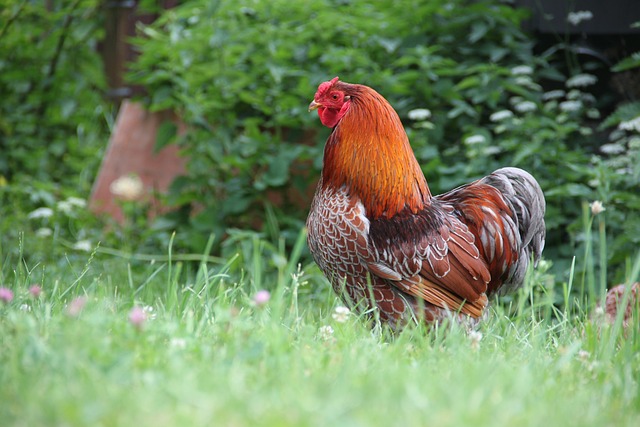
[133, 124]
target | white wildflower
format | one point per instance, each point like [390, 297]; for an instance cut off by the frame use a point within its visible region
[419, 114]
[633, 124]
[475, 337]
[581, 80]
[325, 333]
[585, 131]
[83, 245]
[597, 207]
[43, 232]
[501, 115]
[612, 148]
[521, 70]
[553, 94]
[527, 82]
[71, 203]
[569, 106]
[574, 18]
[25, 307]
[40, 213]
[474, 139]
[148, 311]
[64, 206]
[77, 202]
[583, 355]
[525, 106]
[593, 113]
[127, 187]
[179, 343]
[341, 314]
[490, 151]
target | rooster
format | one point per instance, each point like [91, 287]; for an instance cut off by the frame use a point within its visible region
[384, 242]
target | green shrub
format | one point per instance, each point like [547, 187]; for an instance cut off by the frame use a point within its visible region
[52, 123]
[242, 76]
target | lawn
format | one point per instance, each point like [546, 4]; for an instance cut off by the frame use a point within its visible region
[155, 323]
[116, 341]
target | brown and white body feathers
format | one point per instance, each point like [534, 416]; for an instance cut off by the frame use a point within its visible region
[384, 242]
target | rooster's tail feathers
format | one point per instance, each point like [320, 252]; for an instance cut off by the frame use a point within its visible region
[525, 198]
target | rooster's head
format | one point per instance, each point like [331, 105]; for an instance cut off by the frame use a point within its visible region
[332, 102]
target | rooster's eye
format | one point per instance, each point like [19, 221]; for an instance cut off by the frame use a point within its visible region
[335, 96]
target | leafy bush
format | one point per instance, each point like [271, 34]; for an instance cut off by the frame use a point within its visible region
[52, 111]
[242, 76]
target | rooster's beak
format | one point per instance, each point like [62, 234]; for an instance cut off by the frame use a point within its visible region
[314, 105]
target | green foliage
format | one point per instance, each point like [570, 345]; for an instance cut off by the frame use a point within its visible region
[52, 111]
[242, 76]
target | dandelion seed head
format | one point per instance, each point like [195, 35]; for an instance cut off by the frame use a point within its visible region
[127, 187]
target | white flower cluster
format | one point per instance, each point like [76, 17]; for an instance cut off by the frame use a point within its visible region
[501, 115]
[575, 18]
[341, 314]
[474, 139]
[419, 114]
[581, 80]
[553, 94]
[41, 213]
[68, 205]
[325, 333]
[521, 70]
[632, 125]
[525, 106]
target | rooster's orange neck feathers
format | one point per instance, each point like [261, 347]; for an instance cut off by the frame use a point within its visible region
[369, 153]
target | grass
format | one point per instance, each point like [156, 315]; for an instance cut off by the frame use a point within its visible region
[208, 355]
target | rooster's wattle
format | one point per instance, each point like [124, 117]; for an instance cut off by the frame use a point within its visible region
[384, 241]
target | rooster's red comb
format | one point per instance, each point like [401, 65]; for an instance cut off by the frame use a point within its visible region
[324, 87]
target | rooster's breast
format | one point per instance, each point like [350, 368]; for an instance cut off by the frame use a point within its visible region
[337, 237]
